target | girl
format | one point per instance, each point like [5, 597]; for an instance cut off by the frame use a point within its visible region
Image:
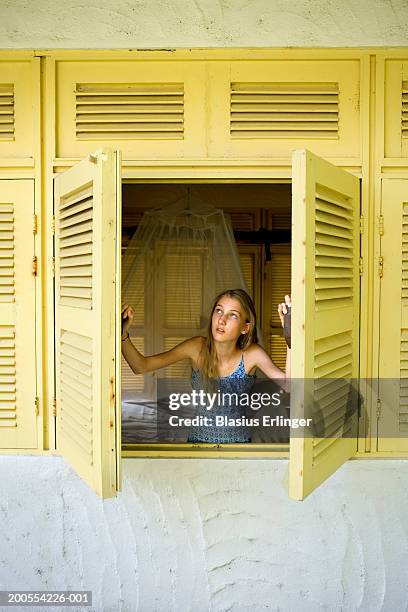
[229, 355]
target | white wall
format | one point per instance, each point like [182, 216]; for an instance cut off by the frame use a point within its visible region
[208, 535]
[202, 23]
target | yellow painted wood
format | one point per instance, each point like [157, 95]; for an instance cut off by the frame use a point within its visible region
[208, 451]
[18, 419]
[87, 309]
[325, 326]
[393, 365]
[47, 198]
[211, 168]
[269, 108]
[277, 279]
[17, 102]
[116, 463]
[148, 109]
[395, 109]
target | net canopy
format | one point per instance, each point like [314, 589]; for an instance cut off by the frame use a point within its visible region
[180, 257]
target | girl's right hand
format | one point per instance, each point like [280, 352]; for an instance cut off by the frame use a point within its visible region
[127, 318]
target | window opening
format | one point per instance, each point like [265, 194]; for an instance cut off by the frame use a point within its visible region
[260, 217]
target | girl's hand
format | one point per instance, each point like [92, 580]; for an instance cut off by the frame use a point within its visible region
[127, 318]
[283, 308]
[284, 311]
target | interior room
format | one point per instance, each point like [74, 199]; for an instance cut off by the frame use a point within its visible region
[260, 216]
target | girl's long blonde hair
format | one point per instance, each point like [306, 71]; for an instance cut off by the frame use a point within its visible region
[209, 360]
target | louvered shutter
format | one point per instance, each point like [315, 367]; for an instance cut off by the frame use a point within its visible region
[271, 107]
[18, 104]
[393, 363]
[325, 316]
[394, 108]
[284, 110]
[180, 315]
[247, 261]
[7, 112]
[18, 421]
[150, 110]
[404, 111]
[276, 286]
[135, 295]
[87, 306]
[250, 260]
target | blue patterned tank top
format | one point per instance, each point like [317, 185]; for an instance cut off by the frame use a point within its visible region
[237, 382]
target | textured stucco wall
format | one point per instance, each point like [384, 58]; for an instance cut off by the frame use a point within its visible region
[202, 23]
[208, 535]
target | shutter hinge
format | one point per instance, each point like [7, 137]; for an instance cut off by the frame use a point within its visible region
[381, 225]
[35, 224]
[54, 407]
[361, 224]
[53, 266]
[35, 265]
[361, 266]
[379, 407]
[381, 267]
[53, 225]
[37, 405]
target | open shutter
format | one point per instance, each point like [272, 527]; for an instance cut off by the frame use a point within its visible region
[87, 303]
[325, 317]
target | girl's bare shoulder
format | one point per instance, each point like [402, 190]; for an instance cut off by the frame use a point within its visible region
[198, 341]
[252, 354]
[254, 350]
[197, 345]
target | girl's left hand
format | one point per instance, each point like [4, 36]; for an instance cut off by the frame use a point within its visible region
[283, 308]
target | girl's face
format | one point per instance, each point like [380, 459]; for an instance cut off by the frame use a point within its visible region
[228, 320]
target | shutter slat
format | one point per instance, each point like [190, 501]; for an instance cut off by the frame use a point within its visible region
[7, 252]
[75, 357]
[138, 111]
[7, 122]
[75, 236]
[182, 308]
[404, 110]
[284, 110]
[8, 374]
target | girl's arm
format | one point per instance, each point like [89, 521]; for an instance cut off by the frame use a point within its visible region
[189, 349]
[258, 357]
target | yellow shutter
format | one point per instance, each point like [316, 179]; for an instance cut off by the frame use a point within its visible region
[395, 108]
[181, 315]
[276, 286]
[284, 110]
[87, 214]
[132, 383]
[150, 109]
[393, 370]
[263, 108]
[18, 82]
[18, 420]
[247, 261]
[325, 314]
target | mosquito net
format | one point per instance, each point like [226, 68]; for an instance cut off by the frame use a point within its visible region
[180, 257]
